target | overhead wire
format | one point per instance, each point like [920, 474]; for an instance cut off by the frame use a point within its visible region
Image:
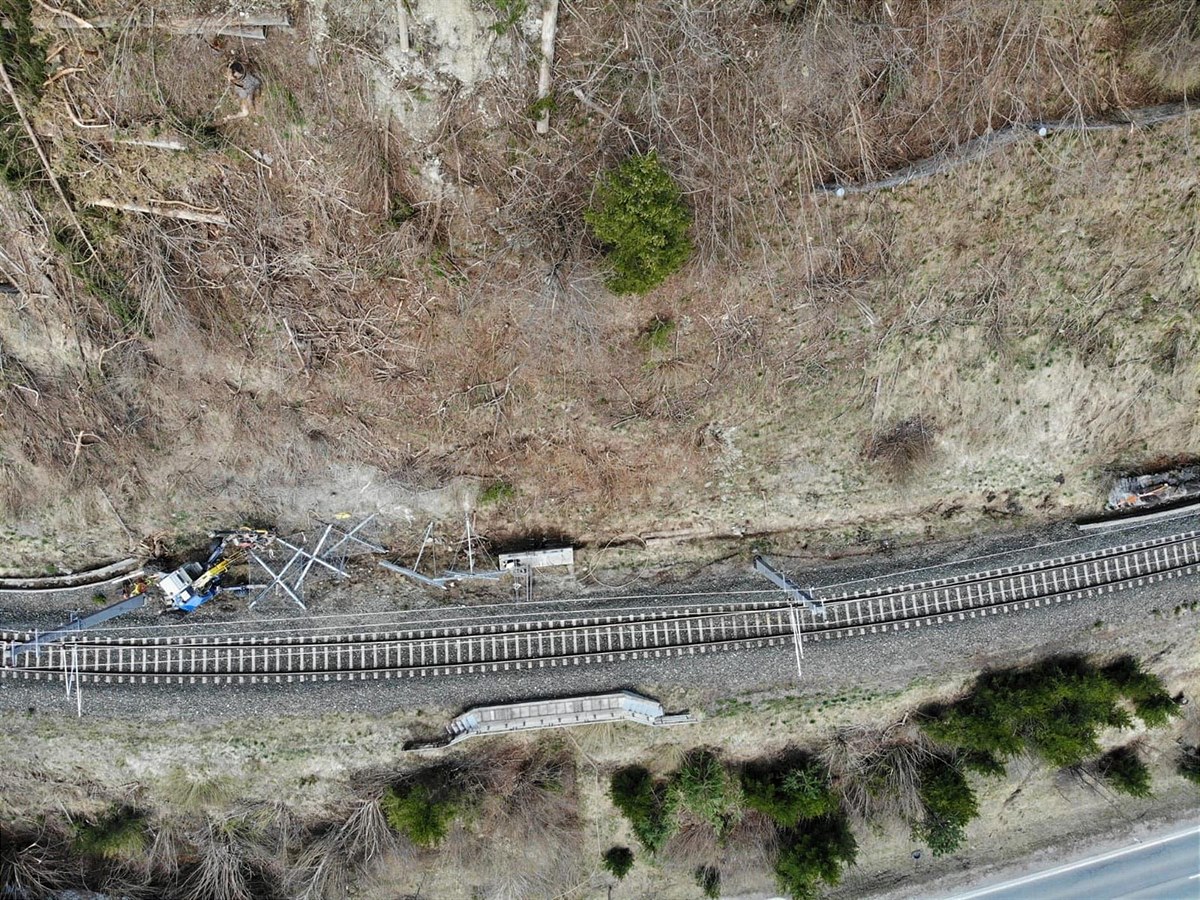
[959, 562]
[428, 616]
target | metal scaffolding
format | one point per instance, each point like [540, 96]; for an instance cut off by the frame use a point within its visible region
[331, 551]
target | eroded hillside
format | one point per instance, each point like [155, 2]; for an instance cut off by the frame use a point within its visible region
[385, 296]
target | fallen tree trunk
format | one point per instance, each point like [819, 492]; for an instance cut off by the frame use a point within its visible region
[155, 143]
[250, 27]
[1142, 117]
[549, 28]
[402, 16]
[122, 569]
[163, 208]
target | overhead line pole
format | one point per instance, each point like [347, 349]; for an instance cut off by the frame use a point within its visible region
[797, 643]
[796, 596]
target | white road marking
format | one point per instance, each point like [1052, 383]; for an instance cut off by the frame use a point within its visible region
[1038, 876]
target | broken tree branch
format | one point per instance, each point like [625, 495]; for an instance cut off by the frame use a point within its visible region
[402, 17]
[167, 208]
[37, 145]
[65, 14]
[61, 73]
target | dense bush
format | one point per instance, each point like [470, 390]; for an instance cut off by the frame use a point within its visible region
[789, 790]
[813, 853]
[981, 761]
[1189, 764]
[645, 803]
[702, 786]
[641, 218]
[423, 809]
[618, 861]
[949, 804]
[1054, 709]
[1153, 705]
[1125, 772]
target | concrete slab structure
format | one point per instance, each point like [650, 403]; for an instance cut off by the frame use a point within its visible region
[621, 706]
[540, 559]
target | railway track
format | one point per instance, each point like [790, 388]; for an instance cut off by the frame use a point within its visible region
[466, 649]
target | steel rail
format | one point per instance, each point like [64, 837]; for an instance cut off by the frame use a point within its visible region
[497, 647]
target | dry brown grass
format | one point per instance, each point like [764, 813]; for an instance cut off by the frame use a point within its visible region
[474, 340]
[902, 447]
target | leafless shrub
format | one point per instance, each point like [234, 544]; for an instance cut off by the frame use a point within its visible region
[694, 843]
[876, 772]
[222, 872]
[35, 861]
[531, 793]
[749, 850]
[342, 852]
[1162, 38]
[902, 447]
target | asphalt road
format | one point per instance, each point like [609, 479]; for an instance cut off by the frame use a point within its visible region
[1165, 868]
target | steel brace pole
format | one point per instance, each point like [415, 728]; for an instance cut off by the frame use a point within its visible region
[797, 640]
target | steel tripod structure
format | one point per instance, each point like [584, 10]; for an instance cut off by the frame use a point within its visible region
[289, 579]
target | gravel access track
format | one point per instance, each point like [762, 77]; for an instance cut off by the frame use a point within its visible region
[558, 640]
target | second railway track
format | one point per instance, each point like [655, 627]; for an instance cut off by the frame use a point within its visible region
[467, 649]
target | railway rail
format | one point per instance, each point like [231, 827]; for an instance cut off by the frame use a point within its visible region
[562, 640]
